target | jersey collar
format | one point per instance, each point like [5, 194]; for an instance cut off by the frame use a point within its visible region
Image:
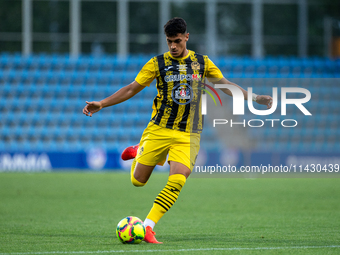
[190, 52]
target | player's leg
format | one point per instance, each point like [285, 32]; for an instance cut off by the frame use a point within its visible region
[130, 152]
[179, 168]
[151, 151]
[182, 158]
[140, 173]
[166, 198]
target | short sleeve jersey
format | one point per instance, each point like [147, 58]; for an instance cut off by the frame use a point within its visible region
[179, 85]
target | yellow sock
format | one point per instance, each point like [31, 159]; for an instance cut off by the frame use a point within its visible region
[133, 179]
[167, 197]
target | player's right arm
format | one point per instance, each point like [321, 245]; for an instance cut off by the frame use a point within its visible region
[120, 96]
[144, 78]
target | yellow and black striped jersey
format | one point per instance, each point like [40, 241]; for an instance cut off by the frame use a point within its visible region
[178, 102]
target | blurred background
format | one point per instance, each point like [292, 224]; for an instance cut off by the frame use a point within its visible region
[55, 55]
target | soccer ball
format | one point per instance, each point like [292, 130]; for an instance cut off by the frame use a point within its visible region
[130, 230]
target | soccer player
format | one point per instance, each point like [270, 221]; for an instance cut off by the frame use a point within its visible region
[175, 125]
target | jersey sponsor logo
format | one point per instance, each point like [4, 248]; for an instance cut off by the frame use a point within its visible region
[196, 77]
[182, 77]
[182, 68]
[182, 91]
[168, 68]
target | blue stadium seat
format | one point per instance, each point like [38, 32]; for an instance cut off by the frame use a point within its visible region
[44, 95]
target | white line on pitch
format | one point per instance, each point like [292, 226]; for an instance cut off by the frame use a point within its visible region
[178, 250]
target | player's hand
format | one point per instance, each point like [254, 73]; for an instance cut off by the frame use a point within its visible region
[265, 100]
[92, 107]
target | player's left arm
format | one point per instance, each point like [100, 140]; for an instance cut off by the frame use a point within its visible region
[215, 76]
[260, 99]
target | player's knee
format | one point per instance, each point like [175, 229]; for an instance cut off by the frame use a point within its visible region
[136, 182]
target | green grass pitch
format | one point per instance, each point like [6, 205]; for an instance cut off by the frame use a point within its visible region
[77, 213]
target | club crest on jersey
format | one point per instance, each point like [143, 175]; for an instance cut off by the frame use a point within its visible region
[195, 65]
[141, 150]
[182, 91]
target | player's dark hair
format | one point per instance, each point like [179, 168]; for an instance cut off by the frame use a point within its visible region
[175, 26]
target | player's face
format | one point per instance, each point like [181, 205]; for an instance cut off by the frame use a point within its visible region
[178, 45]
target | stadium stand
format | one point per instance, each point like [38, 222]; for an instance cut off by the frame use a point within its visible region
[43, 96]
